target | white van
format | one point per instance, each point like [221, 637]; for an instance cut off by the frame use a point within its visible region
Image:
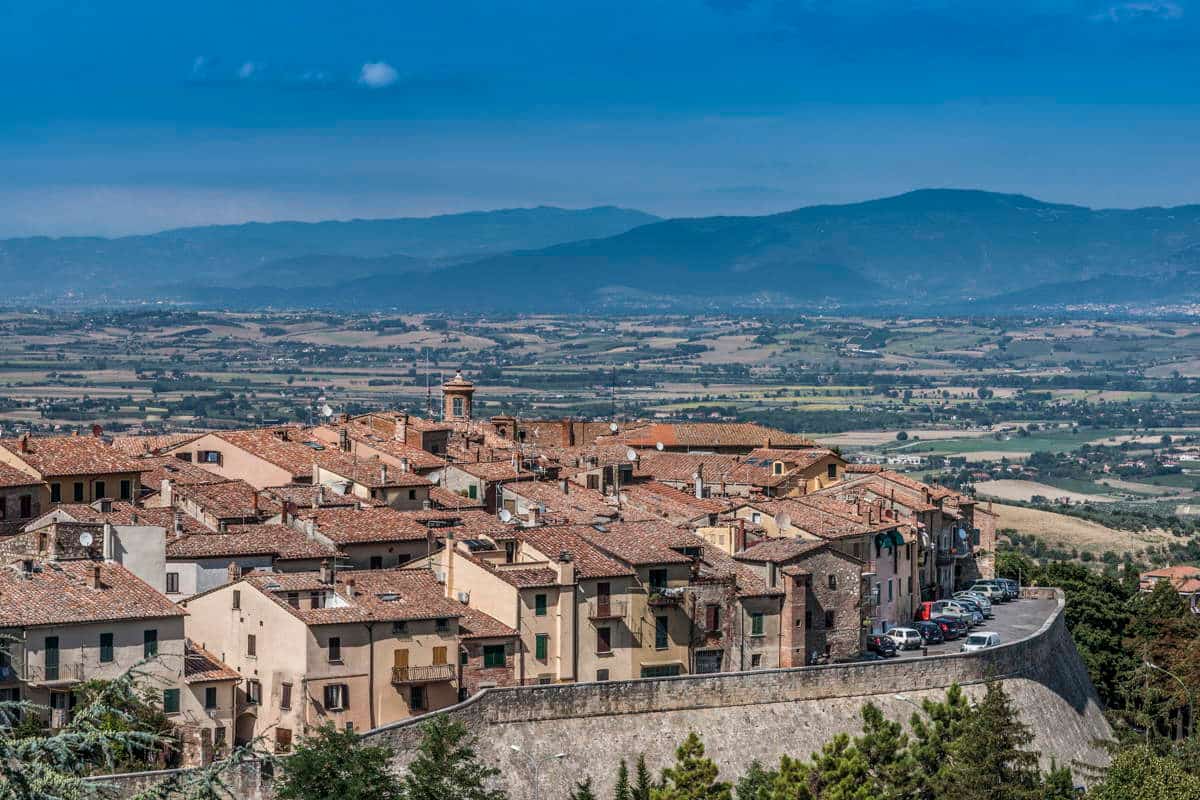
[980, 641]
[906, 638]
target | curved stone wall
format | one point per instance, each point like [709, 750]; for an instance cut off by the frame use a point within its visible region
[764, 714]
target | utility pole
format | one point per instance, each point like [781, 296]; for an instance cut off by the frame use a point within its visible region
[535, 764]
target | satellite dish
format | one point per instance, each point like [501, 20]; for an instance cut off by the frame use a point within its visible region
[658, 446]
[326, 412]
[85, 539]
[631, 454]
[612, 426]
[783, 520]
[505, 515]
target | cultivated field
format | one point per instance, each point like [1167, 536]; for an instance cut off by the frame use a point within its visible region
[1026, 490]
[1060, 530]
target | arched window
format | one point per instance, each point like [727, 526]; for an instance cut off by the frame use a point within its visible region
[457, 405]
[832, 581]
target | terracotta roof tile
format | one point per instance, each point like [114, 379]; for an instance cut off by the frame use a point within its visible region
[373, 595]
[354, 525]
[589, 560]
[201, 666]
[61, 593]
[714, 434]
[53, 456]
[280, 541]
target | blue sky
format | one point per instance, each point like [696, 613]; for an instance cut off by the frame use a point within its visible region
[132, 116]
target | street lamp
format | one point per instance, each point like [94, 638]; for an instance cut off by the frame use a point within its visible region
[535, 764]
[1186, 691]
[903, 698]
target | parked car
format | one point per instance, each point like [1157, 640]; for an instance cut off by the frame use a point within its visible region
[952, 627]
[924, 611]
[985, 605]
[991, 591]
[973, 608]
[882, 645]
[980, 640]
[1009, 588]
[931, 632]
[1014, 589]
[950, 608]
[906, 638]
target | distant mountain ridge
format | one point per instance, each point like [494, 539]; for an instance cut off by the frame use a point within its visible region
[932, 249]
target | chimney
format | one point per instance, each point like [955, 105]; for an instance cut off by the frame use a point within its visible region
[344, 440]
[401, 429]
[310, 528]
[699, 478]
[383, 479]
[568, 433]
[94, 581]
[167, 492]
[564, 486]
[318, 498]
[316, 473]
[326, 571]
[767, 443]
[97, 431]
[177, 522]
[739, 536]
[24, 442]
[534, 515]
[221, 526]
[404, 463]
[349, 584]
[109, 546]
[564, 569]
[254, 502]
[448, 562]
[234, 571]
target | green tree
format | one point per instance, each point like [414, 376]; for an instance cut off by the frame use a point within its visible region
[934, 731]
[692, 777]
[643, 783]
[791, 780]
[583, 790]
[1141, 773]
[335, 764]
[755, 783]
[892, 771]
[990, 757]
[623, 790]
[840, 772]
[447, 766]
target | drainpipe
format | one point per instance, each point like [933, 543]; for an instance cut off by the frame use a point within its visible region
[520, 645]
[371, 669]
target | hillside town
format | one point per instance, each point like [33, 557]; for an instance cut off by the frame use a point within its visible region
[380, 566]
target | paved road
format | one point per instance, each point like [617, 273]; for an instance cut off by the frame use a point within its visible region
[1013, 621]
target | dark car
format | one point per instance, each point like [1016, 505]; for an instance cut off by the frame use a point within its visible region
[931, 632]
[883, 645]
[952, 627]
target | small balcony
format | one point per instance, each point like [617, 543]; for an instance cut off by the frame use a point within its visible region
[663, 596]
[606, 609]
[60, 675]
[432, 674]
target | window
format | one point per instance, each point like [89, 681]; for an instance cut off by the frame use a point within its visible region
[400, 628]
[510, 552]
[209, 456]
[831, 471]
[660, 671]
[755, 660]
[337, 697]
[170, 701]
[293, 599]
[464, 657]
[439, 656]
[778, 467]
[4, 507]
[539, 605]
[285, 696]
[412, 494]
[210, 698]
[661, 631]
[78, 491]
[126, 489]
[56, 493]
[601, 674]
[604, 639]
[237, 599]
[756, 624]
[756, 517]
[416, 698]
[253, 692]
[106, 648]
[658, 579]
[457, 405]
[376, 562]
[829, 619]
[910, 584]
[26, 506]
[832, 581]
[283, 740]
[149, 643]
[541, 646]
[100, 490]
[51, 656]
[251, 646]
[473, 492]
[442, 624]
[889, 590]
[493, 656]
[172, 583]
[335, 648]
[712, 618]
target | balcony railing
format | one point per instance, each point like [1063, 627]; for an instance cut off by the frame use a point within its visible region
[666, 597]
[606, 609]
[63, 673]
[431, 674]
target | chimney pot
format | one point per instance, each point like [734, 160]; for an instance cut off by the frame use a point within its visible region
[96, 584]
[326, 571]
[234, 571]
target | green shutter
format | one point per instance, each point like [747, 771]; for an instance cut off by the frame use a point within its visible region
[149, 643]
[106, 648]
[539, 605]
[756, 624]
[170, 701]
[542, 646]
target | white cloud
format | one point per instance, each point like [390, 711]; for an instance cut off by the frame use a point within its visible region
[378, 75]
[1140, 10]
[247, 70]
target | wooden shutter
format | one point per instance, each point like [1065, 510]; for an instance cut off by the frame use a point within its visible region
[439, 656]
[400, 658]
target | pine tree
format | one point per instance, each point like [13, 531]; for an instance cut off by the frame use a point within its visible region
[643, 783]
[335, 763]
[693, 777]
[1141, 773]
[884, 748]
[447, 767]
[990, 758]
[791, 780]
[933, 733]
[756, 783]
[1059, 784]
[840, 772]
[623, 790]
[583, 790]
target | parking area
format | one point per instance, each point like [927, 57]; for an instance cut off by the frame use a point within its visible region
[1013, 621]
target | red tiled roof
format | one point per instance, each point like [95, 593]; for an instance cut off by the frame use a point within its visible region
[674, 505]
[444, 498]
[474, 624]
[228, 499]
[156, 469]
[201, 666]
[643, 542]
[62, 594]
[148, 444]
[11, 476]
[53, 456]
[713, 434]
[280, 541]
[355, 525]
[589, 560]
[493, 471]
[377, 595]
[577, 505]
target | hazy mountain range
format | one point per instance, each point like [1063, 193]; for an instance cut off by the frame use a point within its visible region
[941, 250]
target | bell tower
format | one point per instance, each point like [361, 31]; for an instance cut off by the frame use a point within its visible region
[457, 394]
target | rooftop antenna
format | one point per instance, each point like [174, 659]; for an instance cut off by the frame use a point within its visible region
[613, 414]
[428, 388]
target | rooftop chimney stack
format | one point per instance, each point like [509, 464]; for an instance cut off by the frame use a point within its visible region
[344, 440]
[326, 571]
[95, 577]
[177, 522]
[234, 571]
[24, 442]
[402, 428]
[404, 464]
[699, 478]
[564, 486]
[383, 476]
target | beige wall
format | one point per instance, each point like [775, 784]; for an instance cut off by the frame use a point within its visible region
[236, 463]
